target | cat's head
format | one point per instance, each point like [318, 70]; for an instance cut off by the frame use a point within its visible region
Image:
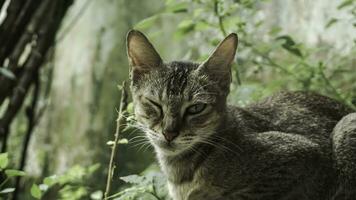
[178, 104]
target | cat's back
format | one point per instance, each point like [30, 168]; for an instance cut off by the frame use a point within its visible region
[304, 113]
[289, 102]
[285, 139]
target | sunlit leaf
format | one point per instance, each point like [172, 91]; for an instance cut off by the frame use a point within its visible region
[7, 73]
[93, 168]
[345, 4]
[43, 187]
[14, 172]
[130, 108]
[177, 7]
[184, 27]
[7, 190]
[133, 179]
[331, 22]
[97, 195]
[36, 191]
[198, 12]
[275, 30]
[123, 141]
[146, 23]
[4, 160]
[51, 180]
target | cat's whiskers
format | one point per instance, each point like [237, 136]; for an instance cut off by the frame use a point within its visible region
[196, 150]
[141, 142]
[210, 141]
[135, 131]
[145, 146]
[138, 142]
[137, 137]
[227, 141]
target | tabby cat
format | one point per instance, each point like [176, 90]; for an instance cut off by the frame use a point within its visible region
[292, 145]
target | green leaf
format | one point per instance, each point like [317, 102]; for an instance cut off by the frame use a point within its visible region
[51, 180]
[43, 187]
[14, 172]
[146, 23]
[345, 4]
[290, 45]
[97, 195]
[331, 22]
[36, 192]
[130, 108]
[184, 27]
[123, 141]
[7, 190]
[275, 30]
[93, 168]
[177, 7]
[4, 160]
[201, 26]
[7, 73]
[133, 179]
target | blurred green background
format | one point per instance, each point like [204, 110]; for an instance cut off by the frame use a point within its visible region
[283, 45]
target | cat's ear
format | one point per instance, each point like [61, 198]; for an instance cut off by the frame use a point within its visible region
[142, 55]
[218, 65]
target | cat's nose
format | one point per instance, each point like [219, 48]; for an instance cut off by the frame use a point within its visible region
[170, 135]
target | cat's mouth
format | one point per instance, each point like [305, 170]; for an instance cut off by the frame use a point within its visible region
[167, 145]
[169, 148]
[173, 147]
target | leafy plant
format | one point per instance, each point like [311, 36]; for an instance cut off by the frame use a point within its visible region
[8, 174]
[69, 186]
[276, 62]
[150, 186]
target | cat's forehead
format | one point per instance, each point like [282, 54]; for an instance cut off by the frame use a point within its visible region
[177, 80]
[176, 83]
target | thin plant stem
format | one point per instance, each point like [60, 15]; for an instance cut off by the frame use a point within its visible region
[119, 122]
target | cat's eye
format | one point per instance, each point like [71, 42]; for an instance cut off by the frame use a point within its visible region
[196, 108]
[157, 105]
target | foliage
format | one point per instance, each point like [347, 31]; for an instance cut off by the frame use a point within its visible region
[268, 59]
[149, 186]
[68, 186]
[8, 173]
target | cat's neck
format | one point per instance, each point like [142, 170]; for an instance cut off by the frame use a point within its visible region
[181, 167]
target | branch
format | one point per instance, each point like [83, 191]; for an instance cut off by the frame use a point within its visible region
[31, 118]
[1, 3]
[45, 39]
[220, 18]
[7, 26]
[31, 29]
[120, 121]
[223, 31]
